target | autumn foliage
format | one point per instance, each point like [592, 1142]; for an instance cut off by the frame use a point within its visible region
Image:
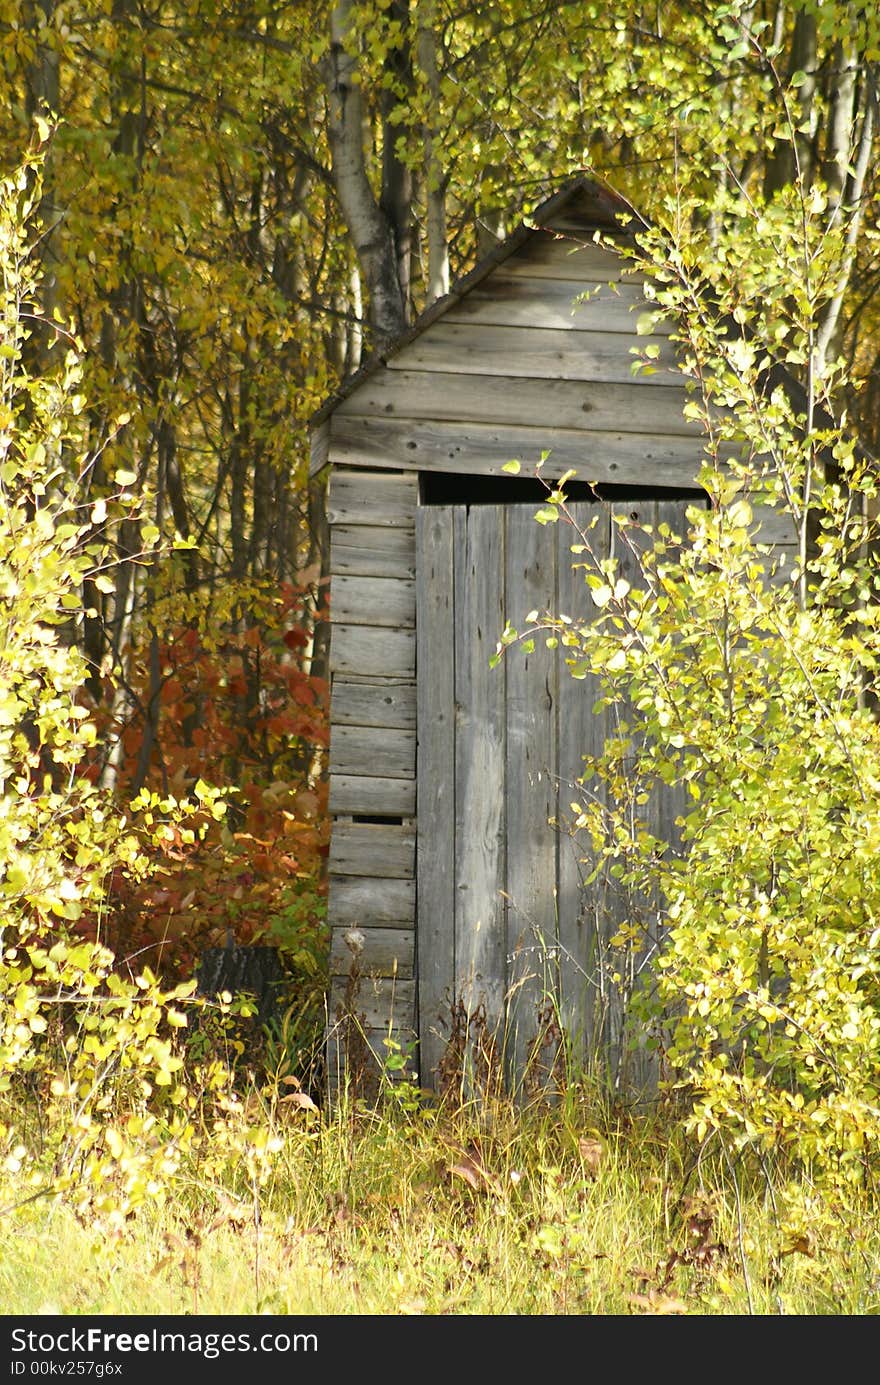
[237, 709]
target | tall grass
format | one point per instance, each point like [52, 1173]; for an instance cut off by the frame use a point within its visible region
[572, 1207]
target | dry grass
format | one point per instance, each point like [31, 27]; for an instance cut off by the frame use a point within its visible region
[562, 1209]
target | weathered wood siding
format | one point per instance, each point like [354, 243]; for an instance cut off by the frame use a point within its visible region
[538, 357]
[373, 748]
[503, 921]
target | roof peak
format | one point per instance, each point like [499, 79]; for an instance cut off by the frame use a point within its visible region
[604, 209]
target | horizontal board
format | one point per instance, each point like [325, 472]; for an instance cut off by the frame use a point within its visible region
[372, 704]
[533, 352]
[386, 952]
[387, 752]
[372, 649]
[373, 601]
[372, 796]
[568, 254]
[387, 500]
[521, 300]
[773, 526]
[376, 1039]
[383, 1002]
[418, 394]
[370, 551]
[370, 901]
[369, 848]
[484, 449]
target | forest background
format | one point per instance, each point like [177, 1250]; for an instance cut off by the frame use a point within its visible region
[238, 203]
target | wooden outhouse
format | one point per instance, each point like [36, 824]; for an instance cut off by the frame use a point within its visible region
[454, 881]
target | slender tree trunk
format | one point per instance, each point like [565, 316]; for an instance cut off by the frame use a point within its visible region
[435, 178]
[371, 228]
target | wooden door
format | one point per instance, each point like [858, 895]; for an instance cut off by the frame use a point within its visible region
[505, 928]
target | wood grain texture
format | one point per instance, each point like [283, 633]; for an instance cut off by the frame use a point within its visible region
[372, 650]
[371, 796]
[389, 753]
[386, 952]
[570, 256]
[578, 404]
[370, 902]
[374, 601]
[480, 940]
[355, 703]
[371, 551]
[475, 449]
[517, 300]
[531, 772]
[386, 500]
[436, 779]
[532, 352]
[368, 848]
[582, 731]
[384, 1003]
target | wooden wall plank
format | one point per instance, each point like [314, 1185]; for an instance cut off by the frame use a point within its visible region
[374, 601]
[532, 352]
[436, 779]
[518, 300]
[384, 1002]
[530, 784]
[371, 796]
[369, 902]
[480, 943]
[371, 551]
[368, 848]
[581, 731]
[372, 650]
[377, 750]
[568, 255]
[386, 500]
[386, 952]
[474, 449]
[773, 526]
[373, 704]
[630, 408]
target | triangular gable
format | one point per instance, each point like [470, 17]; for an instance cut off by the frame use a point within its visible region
[575, 211]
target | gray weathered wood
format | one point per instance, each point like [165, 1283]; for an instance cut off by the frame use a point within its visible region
[369, 902]
[376, 1041]
[373, 704]
[375, 750]
[386, 952]
[416, 394]
[371, 649]
[568, 256]
[480, 944]
[518, 300]
[582, 730]
[436, 778]
[371, 796]
[371, 551]
[474, 449]
[530, 785]
[386, 500]
[374, 601]
[474, 349]
[369, 848]
[384, 1002]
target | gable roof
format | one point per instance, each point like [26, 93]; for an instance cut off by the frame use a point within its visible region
[598, 206]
